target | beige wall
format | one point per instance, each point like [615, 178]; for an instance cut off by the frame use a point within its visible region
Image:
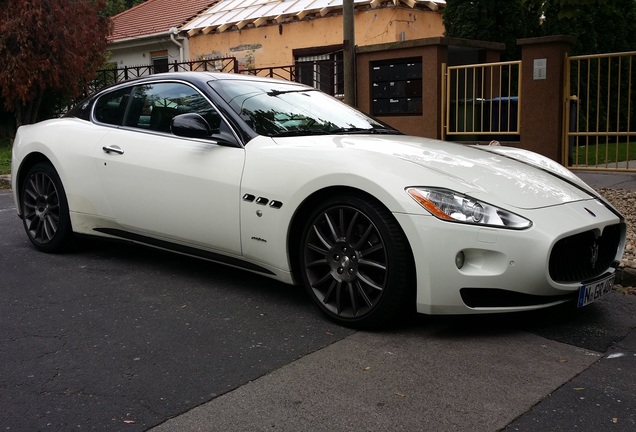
[272, 45]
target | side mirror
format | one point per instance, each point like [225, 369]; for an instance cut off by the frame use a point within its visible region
[193, 125]
[190, 125]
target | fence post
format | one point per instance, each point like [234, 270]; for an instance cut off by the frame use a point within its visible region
[572, 142]
[543, 86]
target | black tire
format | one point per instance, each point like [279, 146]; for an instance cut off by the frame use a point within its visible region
[45, 210]
[356, 263]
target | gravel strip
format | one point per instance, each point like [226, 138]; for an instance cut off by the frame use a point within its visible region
[625, 201]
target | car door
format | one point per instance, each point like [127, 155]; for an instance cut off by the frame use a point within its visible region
[171, 188]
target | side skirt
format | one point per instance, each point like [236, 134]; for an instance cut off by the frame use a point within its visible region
[187, 250]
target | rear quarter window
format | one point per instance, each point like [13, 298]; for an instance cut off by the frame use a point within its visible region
[111, 107]
[81, 111]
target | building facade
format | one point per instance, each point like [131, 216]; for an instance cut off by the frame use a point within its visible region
[261, 33]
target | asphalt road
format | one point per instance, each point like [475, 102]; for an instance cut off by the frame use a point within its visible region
[116, 337]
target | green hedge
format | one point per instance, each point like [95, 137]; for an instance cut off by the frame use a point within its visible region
[5, 156]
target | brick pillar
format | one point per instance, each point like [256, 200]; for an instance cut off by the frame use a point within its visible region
[432, 57]
[542, 99]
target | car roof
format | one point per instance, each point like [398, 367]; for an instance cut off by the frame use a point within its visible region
[200, 78]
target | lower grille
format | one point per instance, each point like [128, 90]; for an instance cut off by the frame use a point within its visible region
[584, 256]
[499, 298]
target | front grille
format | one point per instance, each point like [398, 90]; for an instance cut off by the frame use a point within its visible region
[584, 256]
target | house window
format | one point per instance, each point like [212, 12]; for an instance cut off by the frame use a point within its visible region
[321, 68]
[159, 61]
[396, 87]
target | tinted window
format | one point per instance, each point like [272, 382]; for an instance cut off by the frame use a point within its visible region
[153, 106]
[82, 110]
[110, 108]
[286, 109]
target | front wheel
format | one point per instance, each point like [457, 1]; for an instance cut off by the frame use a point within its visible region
[45, 209]
[356, 263]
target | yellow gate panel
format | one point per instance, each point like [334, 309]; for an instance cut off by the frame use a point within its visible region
[600, 112]
[481, 101]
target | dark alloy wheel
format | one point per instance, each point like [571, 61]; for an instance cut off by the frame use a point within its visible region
[44, 209]
[356, 262]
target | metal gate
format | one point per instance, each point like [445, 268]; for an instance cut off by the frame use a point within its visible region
[600, 112]
[480, 102]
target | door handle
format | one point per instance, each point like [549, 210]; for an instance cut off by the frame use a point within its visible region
[113, 149]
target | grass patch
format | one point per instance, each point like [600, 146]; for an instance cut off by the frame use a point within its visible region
[600, 154]
[5, 156]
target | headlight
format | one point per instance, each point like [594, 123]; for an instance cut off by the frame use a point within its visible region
[451, 206]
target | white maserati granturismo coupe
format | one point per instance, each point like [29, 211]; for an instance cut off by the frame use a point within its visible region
[282, 180]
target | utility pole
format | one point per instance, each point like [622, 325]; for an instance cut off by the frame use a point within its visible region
[349, 54]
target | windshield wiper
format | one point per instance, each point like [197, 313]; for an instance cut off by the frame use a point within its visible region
[280, 92]
[300, 133]
[386, 132]
[340, 131]
[356, 130]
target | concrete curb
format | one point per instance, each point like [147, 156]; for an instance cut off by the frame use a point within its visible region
[5, 180]
[626, 277]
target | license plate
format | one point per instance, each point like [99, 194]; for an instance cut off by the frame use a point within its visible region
[595, 290]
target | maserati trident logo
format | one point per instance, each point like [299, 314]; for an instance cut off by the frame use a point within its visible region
[594, 253]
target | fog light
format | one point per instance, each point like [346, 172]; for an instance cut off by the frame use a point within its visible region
[460, 259]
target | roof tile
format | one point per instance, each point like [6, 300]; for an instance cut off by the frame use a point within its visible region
[156, 16]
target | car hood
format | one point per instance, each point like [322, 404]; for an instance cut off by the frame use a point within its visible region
[512, 176]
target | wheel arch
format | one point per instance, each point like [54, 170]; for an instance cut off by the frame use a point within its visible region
[306, 207]
[29, 161]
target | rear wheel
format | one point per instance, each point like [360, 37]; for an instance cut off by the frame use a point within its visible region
[45, 209]
[356, 263]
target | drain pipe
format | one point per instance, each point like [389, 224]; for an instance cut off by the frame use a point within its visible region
[174, 31]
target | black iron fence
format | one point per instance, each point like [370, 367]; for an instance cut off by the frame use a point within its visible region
[281, 72]
[324, 75]
[106, 77]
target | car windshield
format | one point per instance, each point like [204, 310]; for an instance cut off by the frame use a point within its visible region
[288, 109]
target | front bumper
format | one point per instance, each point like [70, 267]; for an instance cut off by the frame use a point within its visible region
[502, 270]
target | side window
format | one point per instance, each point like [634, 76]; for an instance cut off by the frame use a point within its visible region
[110, 108]
[153, 106]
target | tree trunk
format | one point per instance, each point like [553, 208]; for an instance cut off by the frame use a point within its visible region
[28, 113]
[18, 114]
